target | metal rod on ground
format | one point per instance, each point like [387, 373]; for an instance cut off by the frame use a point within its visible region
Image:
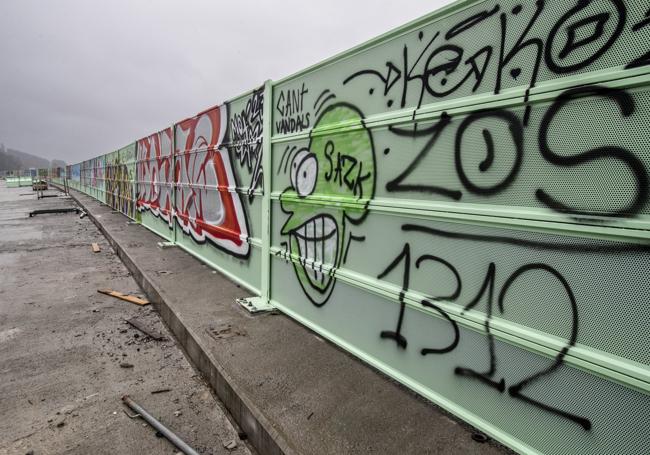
[59, 210]
[178, 442]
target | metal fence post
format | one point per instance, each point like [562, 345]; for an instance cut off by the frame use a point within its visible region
[262, 302]
[267, 175]
[134, 185]
[173, 183]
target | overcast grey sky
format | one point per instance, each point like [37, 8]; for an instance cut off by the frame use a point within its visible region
[80, 78]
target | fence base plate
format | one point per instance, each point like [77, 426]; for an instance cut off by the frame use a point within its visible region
[255, 304]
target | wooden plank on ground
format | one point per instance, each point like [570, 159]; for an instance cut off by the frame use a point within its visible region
[126, 297]
[96, 248]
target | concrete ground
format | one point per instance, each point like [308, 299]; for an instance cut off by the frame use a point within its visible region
[67, 356]
[290, 390]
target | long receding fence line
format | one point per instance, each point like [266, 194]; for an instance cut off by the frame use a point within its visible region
[462, 203]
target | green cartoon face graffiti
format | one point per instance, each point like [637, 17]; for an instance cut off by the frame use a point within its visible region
[339, 165]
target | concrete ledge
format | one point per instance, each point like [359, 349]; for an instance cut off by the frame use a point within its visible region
[290, 391]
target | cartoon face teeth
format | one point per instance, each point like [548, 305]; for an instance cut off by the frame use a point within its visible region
[340, 166]
[318, 244]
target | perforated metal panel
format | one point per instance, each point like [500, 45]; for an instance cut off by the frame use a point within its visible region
[217, 170]
[480, 179]
[120, 180]
[92, 177]
[618, 414]
[154, 182]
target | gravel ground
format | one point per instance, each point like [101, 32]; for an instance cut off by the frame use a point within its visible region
[67, 356]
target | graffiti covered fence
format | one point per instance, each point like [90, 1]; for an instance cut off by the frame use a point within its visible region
[154, 175]
[463, 203]
[120, 180]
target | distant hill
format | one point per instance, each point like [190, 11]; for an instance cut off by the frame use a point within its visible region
[28, 160]
[12, 160]
[9, 162]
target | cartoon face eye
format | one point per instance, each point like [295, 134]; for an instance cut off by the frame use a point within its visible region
[304, 170]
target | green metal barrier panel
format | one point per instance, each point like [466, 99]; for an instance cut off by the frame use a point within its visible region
[120, 180]
[218, 178]
[57, 174]
[463, 203]
[92, 180]
[18, 181]
[13, 182]
[97, 184]
[75, 176]
[68, 174]
[155, 179]
[84, 176]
